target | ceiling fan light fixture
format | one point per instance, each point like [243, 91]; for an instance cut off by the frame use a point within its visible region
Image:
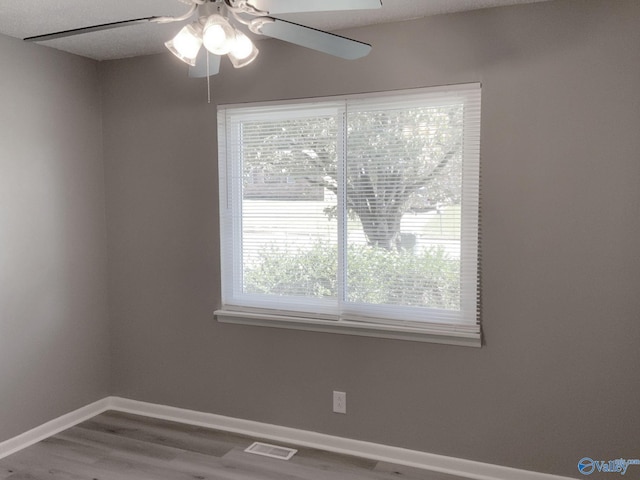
[216, 25]
[186, 44]
[218, 35]
[243, 52]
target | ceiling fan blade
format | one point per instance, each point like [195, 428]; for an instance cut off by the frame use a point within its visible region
[297, 6]
[92, 28]
[314, 39]
[200, 69]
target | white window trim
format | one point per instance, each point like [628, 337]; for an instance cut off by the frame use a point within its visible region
[463, 334]
[447, 335]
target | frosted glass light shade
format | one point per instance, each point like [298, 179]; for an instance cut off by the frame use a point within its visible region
[218, 36]
[243, 52]
[186, 44]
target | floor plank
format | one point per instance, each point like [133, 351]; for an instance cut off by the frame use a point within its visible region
[170, 434]
[120, 446]
[401, 472]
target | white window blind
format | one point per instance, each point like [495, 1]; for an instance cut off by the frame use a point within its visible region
[357, 213]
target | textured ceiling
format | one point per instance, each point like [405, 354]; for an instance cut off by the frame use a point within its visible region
[24, 18]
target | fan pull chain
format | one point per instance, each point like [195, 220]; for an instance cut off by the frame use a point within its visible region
[208, 81]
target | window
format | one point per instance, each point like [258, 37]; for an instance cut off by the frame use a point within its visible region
[353, 215]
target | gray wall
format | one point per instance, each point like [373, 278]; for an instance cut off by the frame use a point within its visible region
[54, 343]
[556, 380]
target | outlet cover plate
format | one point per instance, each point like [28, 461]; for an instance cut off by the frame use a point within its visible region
[339, 402]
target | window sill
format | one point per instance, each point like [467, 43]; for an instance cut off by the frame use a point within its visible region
[446, 335]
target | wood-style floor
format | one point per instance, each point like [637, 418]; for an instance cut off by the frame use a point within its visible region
[119, 446]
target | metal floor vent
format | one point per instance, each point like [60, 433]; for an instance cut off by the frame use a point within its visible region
[272, 451]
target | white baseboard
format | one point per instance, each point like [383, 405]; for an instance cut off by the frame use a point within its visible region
[412, 458]
[52, 427]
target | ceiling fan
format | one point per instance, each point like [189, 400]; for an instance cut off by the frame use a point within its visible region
[221, 27]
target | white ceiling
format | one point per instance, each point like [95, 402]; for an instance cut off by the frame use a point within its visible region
[24, 18]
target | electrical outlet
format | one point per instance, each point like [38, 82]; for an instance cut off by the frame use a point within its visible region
[339, 402]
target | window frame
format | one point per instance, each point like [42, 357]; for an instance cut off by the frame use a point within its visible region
[265, 311]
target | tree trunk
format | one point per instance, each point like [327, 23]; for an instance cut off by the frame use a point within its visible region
[381, 229]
